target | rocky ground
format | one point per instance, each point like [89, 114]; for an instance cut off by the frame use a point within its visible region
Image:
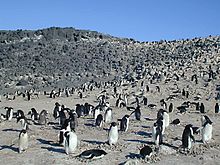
[43, 147]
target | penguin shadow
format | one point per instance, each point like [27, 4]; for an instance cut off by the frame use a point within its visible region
[139, 141]
[52, 123]
[144, 126]
[8, 147]
[89, 125]
[48, 142]
[149, 119]
[170, 146]
[52, 149]
[146, 134]
[132, 156]
[93, 142]
[11, 130]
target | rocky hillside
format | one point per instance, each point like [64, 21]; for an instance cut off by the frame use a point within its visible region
[65, 56]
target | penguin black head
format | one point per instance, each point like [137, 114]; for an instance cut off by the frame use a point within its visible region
[126, 116]
[207, 119]
[188, 126]
[22, 132]
[113, 124]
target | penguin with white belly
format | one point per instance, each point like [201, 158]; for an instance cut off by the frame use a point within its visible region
[23, 141]
[206, 130]
[108, 115]
[70, 142]
[113, 134]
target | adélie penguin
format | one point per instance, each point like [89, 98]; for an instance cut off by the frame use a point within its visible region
[92, 154]
[108, 115]
[23, 141]
[206, 129]
[70, 142]
[124, 123]
[113, 134]
[187, 137]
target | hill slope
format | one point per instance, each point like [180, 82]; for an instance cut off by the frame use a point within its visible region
[66, 56]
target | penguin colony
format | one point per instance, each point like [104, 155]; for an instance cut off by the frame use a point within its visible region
[149, 113]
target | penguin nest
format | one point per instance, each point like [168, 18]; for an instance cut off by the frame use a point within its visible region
[198, 150]
[153, 159]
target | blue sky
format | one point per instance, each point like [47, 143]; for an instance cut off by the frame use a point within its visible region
[144, 20]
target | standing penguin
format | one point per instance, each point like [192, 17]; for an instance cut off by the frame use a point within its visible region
[56, 110]
[43, 117]
[113, 134]
[170, 108]
[73, 120]
[166, 118]
[145, 100]
[137, 113]
[9, 113]
[24, 122]
[124, 123]
[96, 112]
[34, 114]
[202, 108]
[157, 135]
[187, 137]
[206, 129]
[70, 142]
[99, 120]
[61, 137]
[62, 117]
[108, 115]
[216, 108]
[23, 141]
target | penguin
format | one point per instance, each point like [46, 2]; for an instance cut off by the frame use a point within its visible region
[175, 122]
[20, 113]
[92, 154]
[163, 104]
[137, 113]
[73, 120]
[157, 135]
[9, 113]
[96, 112]
[108, 115]
[124, 123]
[216, 108]
[165, 116]
[70, 142]
[152, 106]
[206, 130]
[61, 137]
[88, 109]
[158, 89]
[99, 120]
[23, 141]
[202, 108]
[170, 108]
[197, 106]
[113, 134]
[34, 114]
[24, 122]
[187, 137]
[62, 117]
[43, 117]
[56, 110]
[147, 88]
[146, 152]
[145, 100]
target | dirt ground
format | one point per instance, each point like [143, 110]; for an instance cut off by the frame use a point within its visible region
[43, 140]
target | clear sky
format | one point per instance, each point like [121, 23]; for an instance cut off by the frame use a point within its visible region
[144, 20]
